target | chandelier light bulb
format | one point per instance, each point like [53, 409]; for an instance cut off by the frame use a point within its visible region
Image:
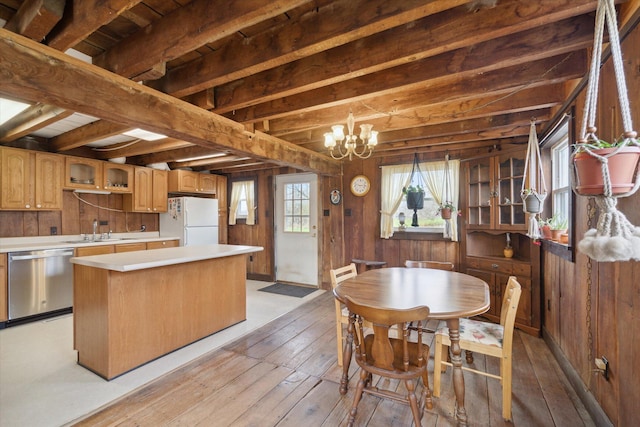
[338, 132]
[329, 140]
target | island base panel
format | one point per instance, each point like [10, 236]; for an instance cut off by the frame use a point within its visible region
[125, 319]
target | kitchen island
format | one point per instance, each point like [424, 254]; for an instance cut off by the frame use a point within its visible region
[131, 308]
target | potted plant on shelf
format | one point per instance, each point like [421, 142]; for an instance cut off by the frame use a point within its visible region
[545, 228]
[558, 226]
[445, 210]
[622, 164]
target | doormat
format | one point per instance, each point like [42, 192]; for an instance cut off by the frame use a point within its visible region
[289, 290]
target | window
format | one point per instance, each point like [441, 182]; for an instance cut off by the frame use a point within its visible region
[437, 186]
[243, 201]
[560, 188]
[296, 207]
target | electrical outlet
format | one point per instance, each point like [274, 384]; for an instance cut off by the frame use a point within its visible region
[53, 230]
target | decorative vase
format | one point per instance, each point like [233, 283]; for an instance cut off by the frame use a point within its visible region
[415, 200]
[508, 252]
[532, 203]
[622, 171]
[445, 213]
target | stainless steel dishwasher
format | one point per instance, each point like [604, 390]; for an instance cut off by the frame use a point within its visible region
[40, 282]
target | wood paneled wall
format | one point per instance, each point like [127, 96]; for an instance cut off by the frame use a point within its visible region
[77, 217]
[593, 309]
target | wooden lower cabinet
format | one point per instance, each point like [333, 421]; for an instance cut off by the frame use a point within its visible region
[130, 247]
[95, 250]
[163, 244]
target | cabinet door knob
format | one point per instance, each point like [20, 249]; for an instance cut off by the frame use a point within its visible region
[494, 266]
[38, 206]
[27, 206]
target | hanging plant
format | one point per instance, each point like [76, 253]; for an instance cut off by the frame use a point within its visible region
[532, 196]
[445, 210]
[615, 239]
[415, 196]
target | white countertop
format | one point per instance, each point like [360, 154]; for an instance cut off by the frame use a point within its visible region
[17, 244]
[138, 260]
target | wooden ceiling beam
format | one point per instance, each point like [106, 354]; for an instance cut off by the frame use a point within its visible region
[57, 79]
[36, 18]
[430, 36]
[30, 120]
[505, 81]
[86, 134]
[530, 45]
[84, 18]
[186, 29]
[126, 149]
[316, 32]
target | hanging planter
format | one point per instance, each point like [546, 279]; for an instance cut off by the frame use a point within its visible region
[532, 198]
[622, 168]
[445, 213]
[615, 238]
[415, 197]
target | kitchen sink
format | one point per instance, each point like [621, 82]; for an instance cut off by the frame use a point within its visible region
[93, 241]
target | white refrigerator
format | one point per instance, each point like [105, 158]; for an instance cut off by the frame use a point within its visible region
[193, 219]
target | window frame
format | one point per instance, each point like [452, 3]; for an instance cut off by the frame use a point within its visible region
[549, 142]
[243, 219]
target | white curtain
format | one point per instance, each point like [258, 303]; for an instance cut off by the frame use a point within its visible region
[432, 174]
[237, 189]
[391, 195]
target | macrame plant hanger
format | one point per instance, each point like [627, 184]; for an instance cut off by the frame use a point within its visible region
[615, 238]
[415, 168]
[532, 196]
[446, 193]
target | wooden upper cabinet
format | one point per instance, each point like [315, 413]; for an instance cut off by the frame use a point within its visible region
[493, 193]
[159, 197]
[117, 178]
[31, 180]
[84, 174]
[182, 181]
[149, 191]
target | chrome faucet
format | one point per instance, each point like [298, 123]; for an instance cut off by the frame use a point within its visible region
[95, 227]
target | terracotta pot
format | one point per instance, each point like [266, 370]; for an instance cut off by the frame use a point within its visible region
[622, 171]
[555, 235]
[546, 232]
[564, 238]
[445, 213]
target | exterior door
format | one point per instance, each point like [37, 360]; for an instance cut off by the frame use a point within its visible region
[296, 229]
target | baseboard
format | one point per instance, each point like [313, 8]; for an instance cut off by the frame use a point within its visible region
[260, 277]
[600, 418]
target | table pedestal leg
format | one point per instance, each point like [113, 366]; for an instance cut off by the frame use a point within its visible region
[346, 357]
[458, 378]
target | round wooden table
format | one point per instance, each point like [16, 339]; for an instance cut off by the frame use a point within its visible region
[448, 294]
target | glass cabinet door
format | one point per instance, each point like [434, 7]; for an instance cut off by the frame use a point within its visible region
[479, 194]
[510, 173]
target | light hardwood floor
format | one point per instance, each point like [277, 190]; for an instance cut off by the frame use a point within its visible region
[285, 374]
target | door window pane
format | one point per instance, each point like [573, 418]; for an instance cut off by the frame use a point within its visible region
[296, 208]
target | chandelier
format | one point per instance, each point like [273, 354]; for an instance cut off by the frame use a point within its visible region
[367, 140]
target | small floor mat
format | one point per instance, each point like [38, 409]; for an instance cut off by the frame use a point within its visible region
[289, 290]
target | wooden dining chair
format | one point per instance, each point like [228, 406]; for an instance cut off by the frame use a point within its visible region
[487, 338]
[440, 265]
[380, 353]
[338, 276]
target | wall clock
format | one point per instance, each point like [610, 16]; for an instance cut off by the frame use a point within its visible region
[360, 185]
[335, 197]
